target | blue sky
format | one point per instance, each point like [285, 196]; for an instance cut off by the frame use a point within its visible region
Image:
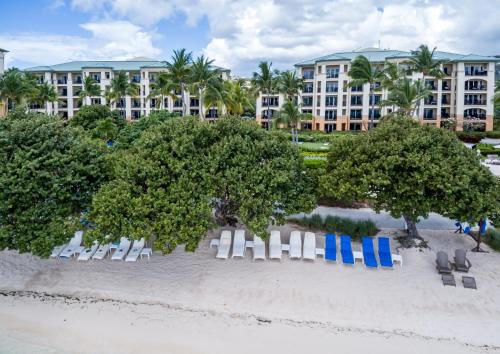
[239, 33]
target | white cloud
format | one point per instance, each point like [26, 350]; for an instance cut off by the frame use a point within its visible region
[115, 40]
[243, 32]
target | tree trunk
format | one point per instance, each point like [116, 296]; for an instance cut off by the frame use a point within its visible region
[183, 97]
[412, 227]
[268, 112]
[372, 118]
[223, 214]
[293, 135]
[200, 104]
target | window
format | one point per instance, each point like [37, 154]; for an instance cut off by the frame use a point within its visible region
[273, 101]
[318, 87]
[319, 69]
[430, 84]
[429, 113]
[194, 102]
[329, 128]
[355, 114]
[307, 111]
[331, 114]
[107, 75]
[357, 88]
[356, 100]
[332, 86]
[331, 101]
[376, 112]
[355, 126]
[377, 99]
[308, 87]
[307, 101]
[308, 74]
[332, 72]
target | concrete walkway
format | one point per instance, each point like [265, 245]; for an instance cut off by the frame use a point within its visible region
[384, 220]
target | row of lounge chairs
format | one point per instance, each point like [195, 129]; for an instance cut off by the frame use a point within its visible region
[124, 250]
[461, 264]
[306, 250]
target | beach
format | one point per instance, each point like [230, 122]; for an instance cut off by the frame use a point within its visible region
[193, 303]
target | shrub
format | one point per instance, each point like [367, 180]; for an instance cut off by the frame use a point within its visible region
[314, 164]
[340, 225]
[470, 137]
[493, 135]
[493, 239]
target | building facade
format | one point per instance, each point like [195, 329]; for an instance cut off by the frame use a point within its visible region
[3, 105]
[68, 79]
[463, 97]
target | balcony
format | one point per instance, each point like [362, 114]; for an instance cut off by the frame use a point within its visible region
[478, 102]
[135, 79]
[357, 89]
[445, 87]
[430, 101]
[272, 101]
[308, 89]
[78, 80]
[444, 100]
[475, 72]
[62, 81]
[355, 114]
[332, 73]
[308, 75]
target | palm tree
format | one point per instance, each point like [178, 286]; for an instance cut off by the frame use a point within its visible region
[89, 88]
[290, 115]
[15, 87]
[391, 74]
[422, 60]
[406, 95]
[162, 87]
[496, 97]
[363, 72]
[236, 97]
[202, 76]
[46, 95]
[289, 84]
[265, 81]
[121, 86]
[179, 71]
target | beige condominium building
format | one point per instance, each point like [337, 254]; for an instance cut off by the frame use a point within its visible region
[463, 97]
[68, 79]
[3, 105]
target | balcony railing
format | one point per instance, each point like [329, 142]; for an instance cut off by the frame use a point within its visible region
[444, 101]
[308, 75]
[476, 88]
[308, 89]
[445, 88]
[476, 116]
[475, 72]
[78, 80]
[475, 102]
[430, 102]
[63, 81]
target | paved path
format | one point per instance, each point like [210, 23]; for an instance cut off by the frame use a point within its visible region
[384, 220]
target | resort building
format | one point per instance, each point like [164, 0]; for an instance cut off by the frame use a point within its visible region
[463, 97]
[3, 106]
[68, 79]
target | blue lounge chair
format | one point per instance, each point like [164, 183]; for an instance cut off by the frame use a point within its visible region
[331, 247]
[384, 252]
[368, 252]
[346, 249]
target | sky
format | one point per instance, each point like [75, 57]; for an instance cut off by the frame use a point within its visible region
[238, 34]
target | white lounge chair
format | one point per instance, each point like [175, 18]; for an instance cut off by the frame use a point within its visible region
[239, 243]
[295, 245]
[259, 248]
[87, 253]
[275, 247]
[309, 246]
[135, 252]
[57, 250]
[73, 245]
[102, 251]
[224, 245]
[122, 249]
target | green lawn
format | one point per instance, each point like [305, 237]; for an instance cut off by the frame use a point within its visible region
[313, 146]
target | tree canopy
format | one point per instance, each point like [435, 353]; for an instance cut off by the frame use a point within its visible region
[168, 184]
[48, 173]
[410, 171]
[89, 117]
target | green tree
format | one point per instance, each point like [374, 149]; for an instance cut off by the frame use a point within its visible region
[265, 81]
[233, 96]
[90, 88]
[289, 115]
[15, 87]
[289, 84]
[46, 95]
[410, 171]
[423, 61]
[88, 117]
[167, 184]
[179, 71]
[121, 86]
[48, 173]
[405, 96]
[162, 87]
[203, 75]
[363, 72]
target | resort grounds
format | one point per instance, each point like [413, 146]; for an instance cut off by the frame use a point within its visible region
[193, 303]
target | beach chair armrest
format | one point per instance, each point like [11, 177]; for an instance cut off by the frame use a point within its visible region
[320, 252]
[248, 244]
[397, 258]
[358, 255]
[285, 247]
[214, 243]
[468, 263]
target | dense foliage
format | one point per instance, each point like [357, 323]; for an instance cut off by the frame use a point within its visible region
[340, 225]
[412, 170]
[89, 117]
[168, 183]
[48, 173]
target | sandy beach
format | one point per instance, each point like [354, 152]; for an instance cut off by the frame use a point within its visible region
[193, 303]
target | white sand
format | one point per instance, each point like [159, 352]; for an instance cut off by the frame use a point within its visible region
[193, 303]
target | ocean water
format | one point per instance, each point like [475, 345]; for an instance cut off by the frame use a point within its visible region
[9, 344]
